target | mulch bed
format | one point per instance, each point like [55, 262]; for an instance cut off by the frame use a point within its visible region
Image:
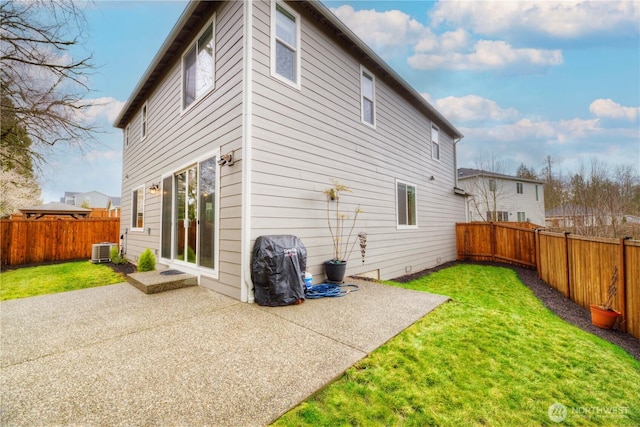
[566, 309]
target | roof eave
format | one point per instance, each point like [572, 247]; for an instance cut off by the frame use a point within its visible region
[188, 10]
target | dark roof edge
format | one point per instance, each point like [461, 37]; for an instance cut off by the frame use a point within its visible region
[324, 11]
[481, 173]
[186, 13]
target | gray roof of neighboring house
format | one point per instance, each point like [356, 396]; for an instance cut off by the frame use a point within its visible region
[55, 208]
[464, 173]
[193, 17]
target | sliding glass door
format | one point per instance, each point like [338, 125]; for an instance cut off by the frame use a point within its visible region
[188, 214]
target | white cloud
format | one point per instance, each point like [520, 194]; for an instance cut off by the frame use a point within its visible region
[607, 108]
[474, 108]
[562, 19]
[486, 55]
[101, 110]
[385, 31]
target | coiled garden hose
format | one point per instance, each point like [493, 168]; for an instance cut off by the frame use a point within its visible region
[328, 290]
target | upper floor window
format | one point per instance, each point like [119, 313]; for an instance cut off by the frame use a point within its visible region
[126, 135]
[144, 121]
[492, 185]
[368, 101]
[519, 188]
[537, 196]
[406, 205]
[435, 143]
[137, 210]
[285, 44]
[198, 66]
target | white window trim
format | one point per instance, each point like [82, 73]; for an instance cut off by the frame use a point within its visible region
[140, 190]
[197, 270]
[127, 133]
[298, 50]
[436, 143]
[183, 109]
[144, 121]
[404, 226]
[375, 103]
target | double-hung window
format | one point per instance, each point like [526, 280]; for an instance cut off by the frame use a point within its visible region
[143, 127]
[522, 217]
[198, 66]
[368, 97]
[285, 44]
[435, 143]
[137, 211]
[519, 188]
[126, 136]
[406, 205]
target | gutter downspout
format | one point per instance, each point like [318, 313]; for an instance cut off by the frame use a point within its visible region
[246, 285]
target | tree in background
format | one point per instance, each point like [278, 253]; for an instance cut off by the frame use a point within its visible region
[44, 86]
[602, 201]
[19, 188]
[526, 173]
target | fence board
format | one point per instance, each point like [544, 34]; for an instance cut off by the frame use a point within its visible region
[37, 241]
[553, 263]
[577, 266]
[632, 286]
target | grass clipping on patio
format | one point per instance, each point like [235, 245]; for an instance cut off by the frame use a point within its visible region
[49, 279]
[494, 355]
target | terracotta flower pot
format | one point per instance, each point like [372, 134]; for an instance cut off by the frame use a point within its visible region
[602, 318]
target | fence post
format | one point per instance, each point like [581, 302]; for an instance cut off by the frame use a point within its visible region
[493, 242]
[566, 261]
[622, 291]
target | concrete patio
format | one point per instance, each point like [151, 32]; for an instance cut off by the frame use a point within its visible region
[116, 356]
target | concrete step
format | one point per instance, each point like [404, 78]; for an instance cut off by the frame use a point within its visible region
[153, 282]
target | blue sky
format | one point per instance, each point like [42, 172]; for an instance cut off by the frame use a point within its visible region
[521, 80]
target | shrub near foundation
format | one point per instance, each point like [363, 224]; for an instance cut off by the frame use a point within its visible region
[147, 261]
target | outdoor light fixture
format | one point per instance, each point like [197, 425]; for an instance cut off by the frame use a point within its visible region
[154, 188]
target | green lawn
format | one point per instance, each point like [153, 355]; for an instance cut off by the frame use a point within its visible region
[49, 279]
[492, 356]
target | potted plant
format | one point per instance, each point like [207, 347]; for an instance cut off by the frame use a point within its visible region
[604, 316]
[341, 228]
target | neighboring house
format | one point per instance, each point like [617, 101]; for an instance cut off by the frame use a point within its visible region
[573, 216]
[93, 200]
[498, 197]
[244, 117]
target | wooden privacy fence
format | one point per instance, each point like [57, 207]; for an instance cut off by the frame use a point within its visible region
[579, 267]
[36, 241]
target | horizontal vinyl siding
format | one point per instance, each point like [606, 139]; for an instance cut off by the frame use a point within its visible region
[177, 139]
[303, 139]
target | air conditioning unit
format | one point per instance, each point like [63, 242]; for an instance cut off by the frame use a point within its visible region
[101, 252]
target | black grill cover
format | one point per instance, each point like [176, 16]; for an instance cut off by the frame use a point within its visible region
[277, 270]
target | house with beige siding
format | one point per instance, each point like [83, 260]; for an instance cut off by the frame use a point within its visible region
[498, 197]
[247, 113]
